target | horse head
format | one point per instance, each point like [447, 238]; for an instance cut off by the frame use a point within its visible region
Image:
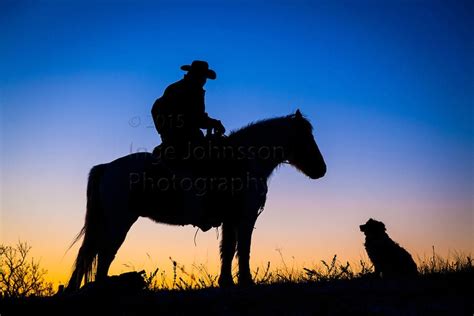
[303, 152]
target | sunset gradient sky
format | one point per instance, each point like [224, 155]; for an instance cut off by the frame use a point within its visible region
[388, 86]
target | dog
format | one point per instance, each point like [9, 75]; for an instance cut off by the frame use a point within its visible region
[390, 260]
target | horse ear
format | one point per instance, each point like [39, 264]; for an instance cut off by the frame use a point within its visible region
[298, 114]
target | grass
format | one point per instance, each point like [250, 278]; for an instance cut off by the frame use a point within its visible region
[325, 271]
[21, 276]
[330, 287]
[181, 279]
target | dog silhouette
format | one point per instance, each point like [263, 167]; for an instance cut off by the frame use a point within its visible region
[390, 260]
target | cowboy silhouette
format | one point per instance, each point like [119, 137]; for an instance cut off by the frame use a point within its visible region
[180, 114]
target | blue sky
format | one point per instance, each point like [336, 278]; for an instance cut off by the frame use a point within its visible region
[389, 87]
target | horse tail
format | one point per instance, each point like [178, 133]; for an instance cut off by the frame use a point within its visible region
[86, 261]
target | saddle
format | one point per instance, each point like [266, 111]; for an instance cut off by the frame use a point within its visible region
[200, 166]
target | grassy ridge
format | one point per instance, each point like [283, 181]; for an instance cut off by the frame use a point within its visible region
[444, 287]
[448, 293]
[200, 278]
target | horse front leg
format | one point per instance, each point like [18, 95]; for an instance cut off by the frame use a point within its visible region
[227, 247]
[244, 238]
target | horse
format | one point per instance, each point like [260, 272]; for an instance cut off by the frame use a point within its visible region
[121, 191]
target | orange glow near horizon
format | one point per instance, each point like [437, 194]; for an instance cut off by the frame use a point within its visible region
[282, 228]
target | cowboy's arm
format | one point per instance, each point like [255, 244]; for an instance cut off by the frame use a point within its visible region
[207, 122]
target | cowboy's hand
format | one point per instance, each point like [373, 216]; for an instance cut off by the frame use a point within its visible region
[219, 128]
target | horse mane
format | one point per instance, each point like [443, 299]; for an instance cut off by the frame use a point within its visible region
[253, 127]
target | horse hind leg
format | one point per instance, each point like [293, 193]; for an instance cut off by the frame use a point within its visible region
[104, 261]
[115, 237]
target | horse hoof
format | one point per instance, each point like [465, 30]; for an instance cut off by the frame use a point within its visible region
[246, 282]
[225, 282]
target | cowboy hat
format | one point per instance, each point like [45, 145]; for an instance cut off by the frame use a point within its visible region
[200, 67]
